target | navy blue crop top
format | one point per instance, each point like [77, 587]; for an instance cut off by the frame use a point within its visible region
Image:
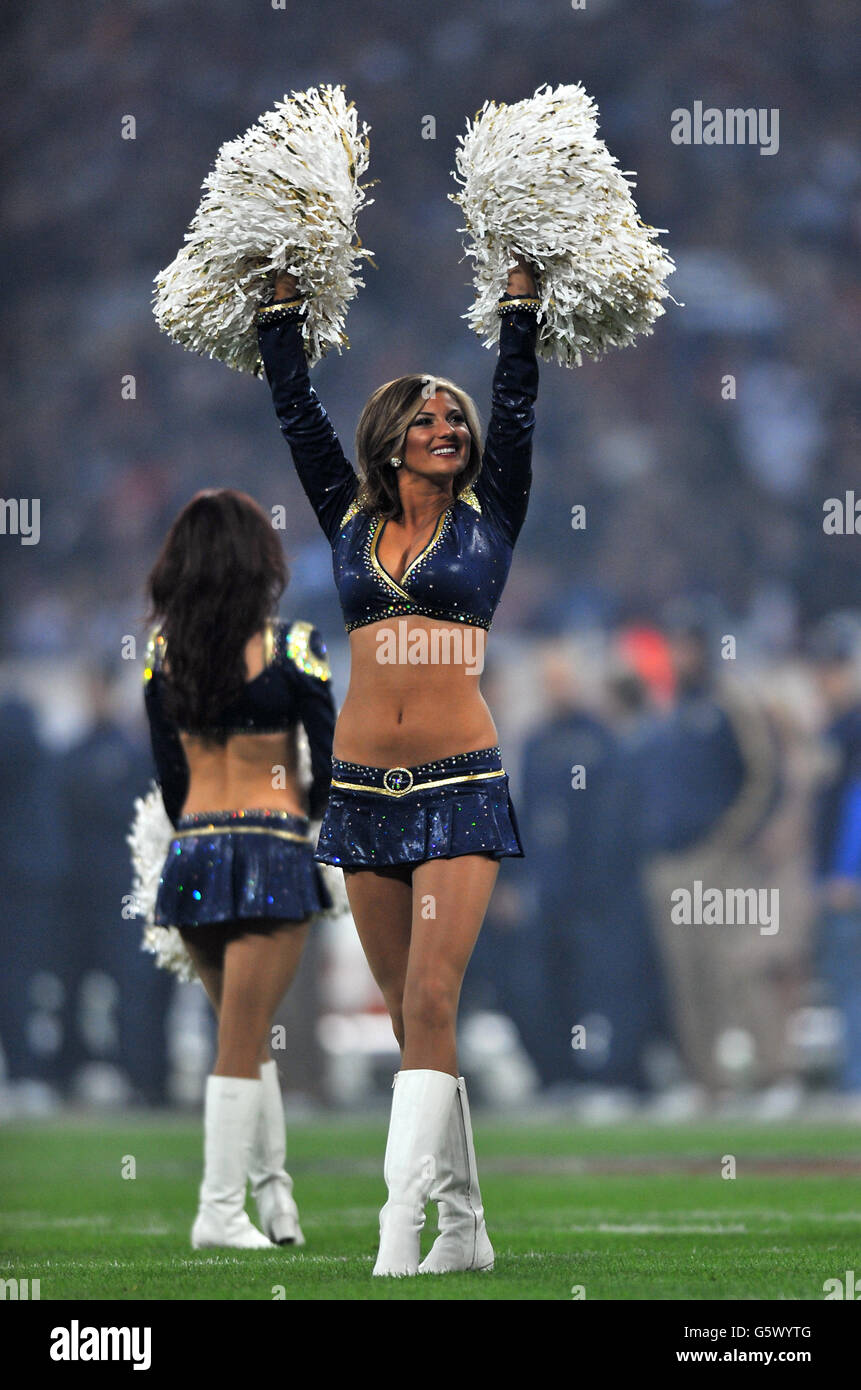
[460, 574]
[293, 687]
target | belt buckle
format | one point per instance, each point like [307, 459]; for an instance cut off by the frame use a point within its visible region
[396, 785]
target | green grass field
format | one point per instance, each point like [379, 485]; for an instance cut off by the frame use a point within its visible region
[629, 1212]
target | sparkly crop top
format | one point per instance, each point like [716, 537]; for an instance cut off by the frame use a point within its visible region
[460, 574]
[293, 687]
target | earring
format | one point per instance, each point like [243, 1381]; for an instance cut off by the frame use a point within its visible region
[395, 462]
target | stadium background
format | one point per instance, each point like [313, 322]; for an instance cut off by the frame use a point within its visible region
[696, 505]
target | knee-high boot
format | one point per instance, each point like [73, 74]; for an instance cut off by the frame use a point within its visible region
[463, 1242]
[230, 1119]
[421, 1105]
[271, 1184]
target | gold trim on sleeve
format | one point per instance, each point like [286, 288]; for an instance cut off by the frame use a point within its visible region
[300, 653]
[353, 510]
[154, 655]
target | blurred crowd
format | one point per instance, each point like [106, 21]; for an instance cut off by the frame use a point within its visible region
[648, 773]
[703, 458]
[683, 487]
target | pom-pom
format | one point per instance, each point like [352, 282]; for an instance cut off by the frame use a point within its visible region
[537, 182]
[333, 878]
[283, 196]
[149, 837]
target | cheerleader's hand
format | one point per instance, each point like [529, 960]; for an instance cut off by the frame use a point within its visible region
[521, 278]
[285, 286]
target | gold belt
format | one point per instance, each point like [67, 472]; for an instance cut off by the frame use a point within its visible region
[240, 830]
[395, 787]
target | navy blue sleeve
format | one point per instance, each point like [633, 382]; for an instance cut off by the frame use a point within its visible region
[170, 763]
[329, 480]
[317, 712]
[502, 486]
[308, 662]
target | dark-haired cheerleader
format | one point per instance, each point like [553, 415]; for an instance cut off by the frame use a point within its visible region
[419, 813]
[227, 686]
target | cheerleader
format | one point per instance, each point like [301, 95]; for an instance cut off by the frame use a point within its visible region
[226, 686]
[419, 813]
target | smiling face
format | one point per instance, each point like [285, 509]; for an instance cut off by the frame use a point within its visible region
[437, 442]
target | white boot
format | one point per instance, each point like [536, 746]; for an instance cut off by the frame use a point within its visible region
[463, 1242]
[421, 1106]
[230, 1118]
[271, 1184]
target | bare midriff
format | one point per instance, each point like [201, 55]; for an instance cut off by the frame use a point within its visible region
[399, 713]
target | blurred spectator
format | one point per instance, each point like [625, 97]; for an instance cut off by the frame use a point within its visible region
[561, 951]
[117, 1000]
[711, 781]
[633, 987]
[37, 950]
[835, 652]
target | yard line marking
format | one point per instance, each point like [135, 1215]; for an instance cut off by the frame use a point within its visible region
[642, 1229]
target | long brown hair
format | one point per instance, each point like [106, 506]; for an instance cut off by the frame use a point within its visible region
[382, 430]
[218, 577]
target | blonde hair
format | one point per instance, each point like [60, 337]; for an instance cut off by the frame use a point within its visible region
[382, 431]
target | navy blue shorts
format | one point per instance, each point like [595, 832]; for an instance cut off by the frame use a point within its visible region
[407, 815]
[235, 865]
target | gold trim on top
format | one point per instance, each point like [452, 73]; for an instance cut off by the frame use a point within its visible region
[430, 545]
[417, 786]
[378, 564]
[240, 830]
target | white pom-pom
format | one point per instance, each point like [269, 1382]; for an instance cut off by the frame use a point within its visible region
[333, 877]
[149, 837]
[283, 196]
[537, 182]
[304, 769]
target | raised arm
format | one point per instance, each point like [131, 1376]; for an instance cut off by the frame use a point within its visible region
[502, 486]
[329, 480]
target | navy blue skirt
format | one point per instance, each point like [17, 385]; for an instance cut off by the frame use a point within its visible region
[407, 815]
[236, 865]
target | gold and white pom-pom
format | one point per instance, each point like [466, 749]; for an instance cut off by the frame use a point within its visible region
[283, 196]
[537, 182]
[149, 837]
